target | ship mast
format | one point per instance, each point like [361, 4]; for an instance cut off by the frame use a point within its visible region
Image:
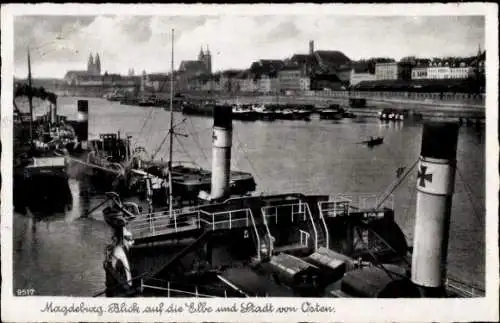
[30, 99]
[171, 131]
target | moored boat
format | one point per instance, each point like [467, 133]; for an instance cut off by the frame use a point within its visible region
[392, 115]
[265, 112]
[244, 113]
[332, 112]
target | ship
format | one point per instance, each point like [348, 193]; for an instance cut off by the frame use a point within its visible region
[289, 244]
[113, 164]
[38, 142]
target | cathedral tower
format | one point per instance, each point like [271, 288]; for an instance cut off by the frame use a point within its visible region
[97, 65]
[90, 65]
[201, 55]
[207, 60]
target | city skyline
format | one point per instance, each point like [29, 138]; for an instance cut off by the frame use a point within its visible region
[62, 43]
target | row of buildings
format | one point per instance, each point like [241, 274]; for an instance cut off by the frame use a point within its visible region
[432, 71]
[317, 70]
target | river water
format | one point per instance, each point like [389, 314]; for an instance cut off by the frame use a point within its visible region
[62, 254]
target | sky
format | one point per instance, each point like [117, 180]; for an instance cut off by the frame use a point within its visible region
[61, 43]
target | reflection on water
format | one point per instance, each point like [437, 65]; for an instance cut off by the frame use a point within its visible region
[62, 254]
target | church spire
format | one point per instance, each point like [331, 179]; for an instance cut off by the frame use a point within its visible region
[90, 64]
[201, 54]
[97, 64]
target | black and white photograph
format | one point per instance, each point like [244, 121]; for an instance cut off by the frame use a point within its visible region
[249, 162]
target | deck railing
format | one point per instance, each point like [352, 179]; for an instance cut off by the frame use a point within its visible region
[313, 226]
[256, 234]
[165, 286]
[269, 235]
[368, 200]
[296, 209]
[161, 222]
[339, 207]
[325, 228]
[231, 219]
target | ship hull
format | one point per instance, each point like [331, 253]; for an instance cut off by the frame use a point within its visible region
[41, 191]
[197, 258]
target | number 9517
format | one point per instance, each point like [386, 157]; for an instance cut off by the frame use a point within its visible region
[25, 292]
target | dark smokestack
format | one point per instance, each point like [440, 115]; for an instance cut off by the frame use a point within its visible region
[53, 113]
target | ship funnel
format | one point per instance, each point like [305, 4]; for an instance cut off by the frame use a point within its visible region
[82, 125]
[53, 113]
[435, 184]
[221, 151]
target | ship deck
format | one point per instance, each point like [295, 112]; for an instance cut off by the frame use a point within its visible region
[272, 239]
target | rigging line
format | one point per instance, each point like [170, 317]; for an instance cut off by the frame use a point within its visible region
[377, 262]
[398, 182]
[15, 107]
[413, 195]
[96, 207]
[161, 144]
[469, 194]
[186, 152]
[237, 159]
[388, 245]
[245, 156]
[199, 131]
[146, 119]
[466, 184]
[197, 143]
